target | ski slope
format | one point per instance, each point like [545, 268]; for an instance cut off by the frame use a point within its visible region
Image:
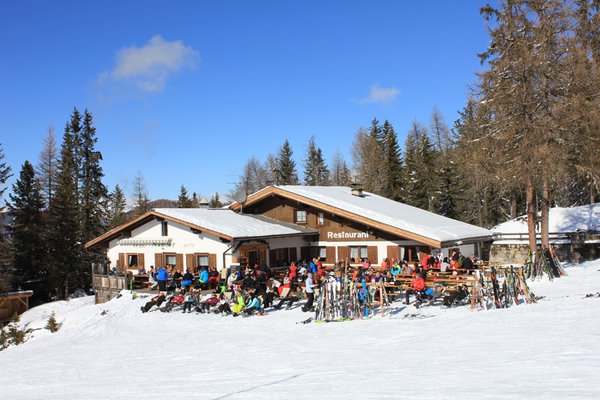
[548, 350]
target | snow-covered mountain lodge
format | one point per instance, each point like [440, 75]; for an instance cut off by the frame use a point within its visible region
[279, 224]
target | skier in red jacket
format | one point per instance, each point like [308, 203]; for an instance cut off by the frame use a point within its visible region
[417, 287]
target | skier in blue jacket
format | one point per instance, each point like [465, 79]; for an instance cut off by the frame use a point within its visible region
[161, 276]
[203, 279]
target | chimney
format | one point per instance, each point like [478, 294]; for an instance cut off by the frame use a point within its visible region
[356, 190]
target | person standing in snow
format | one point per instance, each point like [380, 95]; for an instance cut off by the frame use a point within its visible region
[161, 276]
[310, 292]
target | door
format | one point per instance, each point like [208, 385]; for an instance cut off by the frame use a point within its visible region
[253, 258]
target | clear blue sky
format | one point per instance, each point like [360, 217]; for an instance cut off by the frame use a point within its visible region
[186, 92]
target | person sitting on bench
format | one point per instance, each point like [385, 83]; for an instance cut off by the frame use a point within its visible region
[417, 287]
[286, 296]
[457, 296]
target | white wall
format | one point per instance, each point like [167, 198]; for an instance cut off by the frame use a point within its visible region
[183, 242]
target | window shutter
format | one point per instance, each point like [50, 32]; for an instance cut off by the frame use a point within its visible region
[212, 260]
[372, 255]
[158, 260]
[342, 252]
[179, 261]
[189, 262]
[121, 263]
[330, 254]
[393, 252]
[141, 261]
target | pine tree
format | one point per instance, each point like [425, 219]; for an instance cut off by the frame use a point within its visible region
[4, 175]
[116, 208]
[195, 201]
[28, 227]
[183, 201]
[366, 156]
[285, 172]
[140, 195]
[16, 335]
[391, 170]
[5, 242]
[52, 325]
[523, 89]
[93, 192]
[316, 172]
[215, 201]
[253, 178]
[340, 172]
[377, 133]
[65, 249]
[421, 186]
[3, 339]
[47, 166]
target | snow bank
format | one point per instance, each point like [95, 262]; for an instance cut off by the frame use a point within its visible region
[547, 350]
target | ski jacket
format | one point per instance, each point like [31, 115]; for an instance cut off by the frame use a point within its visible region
[239, 305]
[162, 274]
[203, 276]
[293, 269]
[418, 284]
[189, 298]
[212, 301]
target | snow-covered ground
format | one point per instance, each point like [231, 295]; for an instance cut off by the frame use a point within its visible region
[548, 350]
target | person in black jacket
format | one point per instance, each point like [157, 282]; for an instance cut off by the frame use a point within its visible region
[456, 296]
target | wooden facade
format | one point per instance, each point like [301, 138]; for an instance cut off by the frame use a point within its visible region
[340, 233]
[13, 303]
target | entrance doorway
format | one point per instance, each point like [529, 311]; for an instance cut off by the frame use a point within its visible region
[253, 258]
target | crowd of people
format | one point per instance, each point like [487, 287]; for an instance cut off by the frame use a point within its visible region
[249, 291]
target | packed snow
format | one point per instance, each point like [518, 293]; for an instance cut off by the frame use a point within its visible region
[547, 350]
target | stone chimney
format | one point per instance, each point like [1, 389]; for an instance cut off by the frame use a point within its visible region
[356, 190]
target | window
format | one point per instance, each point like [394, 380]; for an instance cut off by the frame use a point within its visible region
[320, 252]
[203, 261]
[170, 259]
[323, 254]
[358, 252]
[164, 228]
[321, 219]
[300, 216]
[132, 260]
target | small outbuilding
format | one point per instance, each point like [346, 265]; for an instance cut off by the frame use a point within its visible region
[574, 234]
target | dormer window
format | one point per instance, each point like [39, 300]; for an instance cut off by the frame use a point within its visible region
[300, 217]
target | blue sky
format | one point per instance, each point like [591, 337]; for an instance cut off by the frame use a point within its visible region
[186, 92]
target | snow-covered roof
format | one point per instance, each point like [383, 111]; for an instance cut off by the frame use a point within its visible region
[232, 224]
[560, 220]
[223, 223]
[384, 211]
